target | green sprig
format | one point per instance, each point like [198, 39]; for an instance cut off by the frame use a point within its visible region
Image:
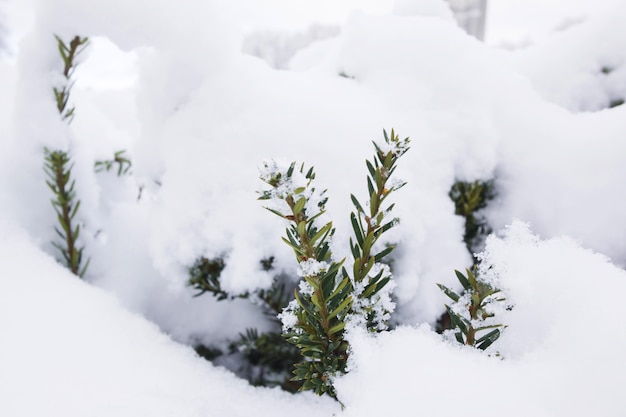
[58, 167]
[59, 172]
[478, 295]
[315, 321]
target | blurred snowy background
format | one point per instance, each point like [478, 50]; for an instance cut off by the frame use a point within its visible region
[201, 92]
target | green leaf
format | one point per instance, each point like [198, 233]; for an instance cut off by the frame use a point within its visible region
[312, 282]
[368, 266]
[488, 339]
[63, 224]
[356, 204]
[471, 278]
[464, 282]
[367, 244]
[358, 231]
[374, 204]
[354, 248]
[323, 252]
[454, 296]
[294, 247]
[356, 267]
[379, 179]
[339, 288]
[82, 272]
[322, 234]
[74, 210]
[370, 187]
[302, 228]
[345, 304]
[387, 226]
[297, 209]
[383, 253]
[337, 328]
[370, 168]
[375, 286]
[456, 320]
[328, 284]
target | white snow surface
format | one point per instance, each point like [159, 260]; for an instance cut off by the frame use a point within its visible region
[550, 364]
[198, 117]
[69, 349]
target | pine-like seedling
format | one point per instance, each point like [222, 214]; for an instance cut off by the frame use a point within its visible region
[69, 52]
[59, 171]
[58, 167]
[328, 297]
[473, 314]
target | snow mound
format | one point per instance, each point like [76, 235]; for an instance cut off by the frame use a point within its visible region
[549, 366]
[68, 349]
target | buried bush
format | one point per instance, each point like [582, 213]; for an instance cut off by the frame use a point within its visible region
[263, 358]
[334, 293]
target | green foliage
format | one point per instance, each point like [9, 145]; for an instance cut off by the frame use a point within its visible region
[68, 52]
[123, 164]
[59, 171]
[58, 168]
[469, 198]
[267, 356]
[329, 297]
[204, 276]
[322, 302]
[472, 314]
[369, 275]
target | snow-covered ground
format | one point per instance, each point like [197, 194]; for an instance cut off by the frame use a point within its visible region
[167, 81]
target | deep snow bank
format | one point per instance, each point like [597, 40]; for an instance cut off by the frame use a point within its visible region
[69, 349]
[562, 351]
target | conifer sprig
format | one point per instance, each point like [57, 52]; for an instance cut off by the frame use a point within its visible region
[315, 319]
[59, 171]
[369, 275]
[473, 312]
[58, 166]
[69, 52]
[329, 297]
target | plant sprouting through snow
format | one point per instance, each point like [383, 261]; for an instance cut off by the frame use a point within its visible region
[329, 298]
[473, 314]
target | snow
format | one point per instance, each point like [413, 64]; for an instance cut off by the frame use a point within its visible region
[167, 82]
[71, 350]
[581, 67]
[555, 359]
